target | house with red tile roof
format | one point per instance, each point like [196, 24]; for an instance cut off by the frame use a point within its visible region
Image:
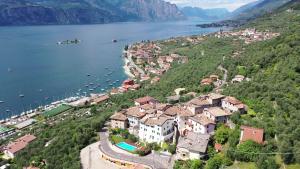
[19, 144]
[234, 105]
[145, 100]
[251, 133]
[206, 81]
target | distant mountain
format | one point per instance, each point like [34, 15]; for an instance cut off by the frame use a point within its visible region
[206, 14]
[256, 9]
[41, 12]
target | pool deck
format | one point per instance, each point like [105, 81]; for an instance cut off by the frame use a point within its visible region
[154, 160]
[131, 147]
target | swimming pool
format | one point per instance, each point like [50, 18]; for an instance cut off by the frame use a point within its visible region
[126, 146]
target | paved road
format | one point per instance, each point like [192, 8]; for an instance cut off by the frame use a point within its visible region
[141, 71]
[91, 159]
[154, 160]
[225, 73]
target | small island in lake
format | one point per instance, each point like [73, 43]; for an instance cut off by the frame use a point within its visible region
[67, 42]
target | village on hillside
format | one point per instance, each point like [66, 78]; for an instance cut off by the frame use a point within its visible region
[184, 129]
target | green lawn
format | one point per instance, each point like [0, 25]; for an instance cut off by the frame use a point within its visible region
[57, 110]
[117, 139]
[243, 165]
[292, 166]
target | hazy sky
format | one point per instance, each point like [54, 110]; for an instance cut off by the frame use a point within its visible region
[229, 4]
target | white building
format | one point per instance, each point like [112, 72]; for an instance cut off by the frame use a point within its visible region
[201, 124]
[217, 114]
[192, 146]
[156, 129]
[134, 116]
[234, 105]
[197, 105]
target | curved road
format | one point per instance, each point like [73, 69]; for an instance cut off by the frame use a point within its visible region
[154, 160]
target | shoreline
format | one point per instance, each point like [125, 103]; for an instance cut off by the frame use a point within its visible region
[128, 64]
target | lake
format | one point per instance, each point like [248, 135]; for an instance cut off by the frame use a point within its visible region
[34, 66]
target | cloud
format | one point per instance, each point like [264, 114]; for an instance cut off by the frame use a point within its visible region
[229, 4]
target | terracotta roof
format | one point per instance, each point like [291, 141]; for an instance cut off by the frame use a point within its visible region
[232, 100]
[135, 112]
[144, 100]
[20, 143]
[26, 138]
[198, 102]
[217, 112]
[118, 116]
[218, 147]
[147, 106]
[177, 110]
[162, 107]
[101, 98]
[30, 167]
[202, 119]
[194, 142]
[206, 81]
[157, 121]
[251, 133]
[215, 96]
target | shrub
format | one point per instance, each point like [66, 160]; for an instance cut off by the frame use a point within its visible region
[132, 138]
[248, 151]
[143, 152]
[172, 148]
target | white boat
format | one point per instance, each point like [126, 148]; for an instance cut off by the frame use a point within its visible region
[2, 102]
[21, 95]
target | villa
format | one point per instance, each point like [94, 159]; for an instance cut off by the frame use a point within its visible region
[156, 129]
[234, 105]
[197, 105]
[119, 120]
[192, 146]
[201, 124]
[134, 115]
[19, 144]
[217, 114]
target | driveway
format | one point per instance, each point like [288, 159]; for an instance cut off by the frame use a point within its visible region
[90, 158]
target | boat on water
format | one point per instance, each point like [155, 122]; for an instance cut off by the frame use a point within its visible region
[7, 110]
[91, 84]
[88, 75]
[102, 89]
[21, 95]
[114, 40]
[86, 85]
[1, 102]
[91, 89]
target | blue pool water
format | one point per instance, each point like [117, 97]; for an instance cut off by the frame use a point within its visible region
[126, 146]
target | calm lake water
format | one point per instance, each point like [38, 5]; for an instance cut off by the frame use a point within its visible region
[33, 65]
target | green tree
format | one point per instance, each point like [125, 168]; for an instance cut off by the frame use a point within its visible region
[265, 162]
[248, 151]
[222, 134]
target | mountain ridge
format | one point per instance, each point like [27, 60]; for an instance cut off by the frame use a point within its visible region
[47, 12]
